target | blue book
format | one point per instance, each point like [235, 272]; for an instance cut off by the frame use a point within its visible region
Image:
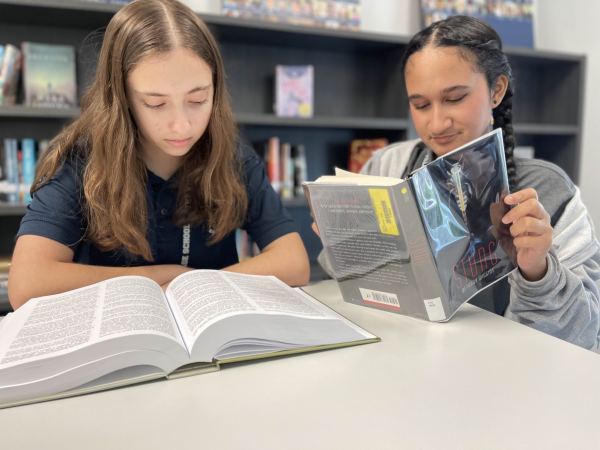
[28, 148]
[12, 169]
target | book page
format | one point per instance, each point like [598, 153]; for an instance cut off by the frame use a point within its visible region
[199, 297]
[56, 324]
[135, 304]
[51, 324]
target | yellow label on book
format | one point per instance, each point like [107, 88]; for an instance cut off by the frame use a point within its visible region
[384, 211]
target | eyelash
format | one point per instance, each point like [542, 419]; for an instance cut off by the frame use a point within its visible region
[162, 104]
[451, 101]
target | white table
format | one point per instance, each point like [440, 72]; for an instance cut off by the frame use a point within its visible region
[478, 382]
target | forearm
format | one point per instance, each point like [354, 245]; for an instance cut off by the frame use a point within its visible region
[564, 304]
[285, 259]
[27, 281]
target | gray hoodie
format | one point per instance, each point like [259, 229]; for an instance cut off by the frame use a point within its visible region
[565, 303]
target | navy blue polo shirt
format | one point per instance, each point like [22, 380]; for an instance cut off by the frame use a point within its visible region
[56, 213]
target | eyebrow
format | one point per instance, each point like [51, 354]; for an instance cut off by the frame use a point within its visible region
[445, 91]
[193, 91]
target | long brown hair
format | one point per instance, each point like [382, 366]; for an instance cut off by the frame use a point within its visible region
[114, 179]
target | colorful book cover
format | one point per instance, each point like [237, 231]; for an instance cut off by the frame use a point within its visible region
[10, 74]
[49, 77]
[29, 160]
[361, 151]
[294, 86]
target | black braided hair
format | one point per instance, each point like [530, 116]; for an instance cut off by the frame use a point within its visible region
[478, 43]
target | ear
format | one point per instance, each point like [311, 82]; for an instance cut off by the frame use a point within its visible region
[499, 90]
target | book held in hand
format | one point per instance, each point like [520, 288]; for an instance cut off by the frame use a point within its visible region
[424, 246]
[125, 330]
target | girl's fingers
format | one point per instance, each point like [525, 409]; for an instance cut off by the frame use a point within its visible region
[530, 207]
[530, 225]
[521, 196]
[541, 243]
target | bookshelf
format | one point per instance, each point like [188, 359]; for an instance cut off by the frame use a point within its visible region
[359, 89]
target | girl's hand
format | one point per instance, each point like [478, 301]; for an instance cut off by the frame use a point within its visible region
[532, 232]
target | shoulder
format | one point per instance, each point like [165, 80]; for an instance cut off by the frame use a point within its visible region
[552, 184]
[391, 160]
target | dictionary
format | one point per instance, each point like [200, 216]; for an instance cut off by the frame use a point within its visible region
[421, 246]
[126, 330]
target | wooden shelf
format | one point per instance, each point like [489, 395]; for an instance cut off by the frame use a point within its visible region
[539, 128]
[322, 122]
[7, 209]
[39, 113]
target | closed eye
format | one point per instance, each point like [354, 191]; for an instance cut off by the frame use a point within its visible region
[456, 100]
[154, 106]
[200, 103]
[421, 106]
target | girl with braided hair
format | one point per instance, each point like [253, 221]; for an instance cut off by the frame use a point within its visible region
[460, 85]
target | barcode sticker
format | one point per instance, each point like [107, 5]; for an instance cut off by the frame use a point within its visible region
[435, 309]
[385, 299]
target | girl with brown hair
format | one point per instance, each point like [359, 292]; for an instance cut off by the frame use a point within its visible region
[151, 179]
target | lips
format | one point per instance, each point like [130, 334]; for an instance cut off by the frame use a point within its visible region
[444, 139]
[179, 143]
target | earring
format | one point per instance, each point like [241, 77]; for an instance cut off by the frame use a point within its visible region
[492, 121]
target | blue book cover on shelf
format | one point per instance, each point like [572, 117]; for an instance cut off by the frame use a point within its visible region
[12, 169]
[28, 148]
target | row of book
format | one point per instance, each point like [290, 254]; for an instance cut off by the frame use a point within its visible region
[17, 168]
[46, 72]
[286, 167]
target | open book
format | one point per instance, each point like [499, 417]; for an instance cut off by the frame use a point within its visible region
[125, 330]
[424, 246]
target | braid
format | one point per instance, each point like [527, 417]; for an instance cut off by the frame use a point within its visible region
[503, 119]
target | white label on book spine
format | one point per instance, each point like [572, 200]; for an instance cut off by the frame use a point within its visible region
[435, 309]
[385, 299]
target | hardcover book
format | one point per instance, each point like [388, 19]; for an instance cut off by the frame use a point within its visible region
[125, 330]
[49, 76]
[294, 86]
[423, 246]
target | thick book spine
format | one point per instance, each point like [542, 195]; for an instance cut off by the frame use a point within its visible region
[432, 296]
[274, 164]
[287, 172]
[3, 180]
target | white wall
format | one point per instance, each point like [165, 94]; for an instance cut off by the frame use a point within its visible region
[573, 27]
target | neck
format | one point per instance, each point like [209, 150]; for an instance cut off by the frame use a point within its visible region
[157, 161]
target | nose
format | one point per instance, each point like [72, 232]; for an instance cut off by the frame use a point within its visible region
[180, 123]
[439, 121]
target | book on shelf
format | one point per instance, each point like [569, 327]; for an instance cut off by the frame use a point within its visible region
[11, 168]
[361, 151]
[294, 91]
[29, 160]
[287, 171]
[245, 246]
[272, 157]
[10, 74]
[125, 330]
[423, 246]
[49, 77]
[300, 169]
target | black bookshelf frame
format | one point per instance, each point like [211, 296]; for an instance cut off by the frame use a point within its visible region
[359, 89]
